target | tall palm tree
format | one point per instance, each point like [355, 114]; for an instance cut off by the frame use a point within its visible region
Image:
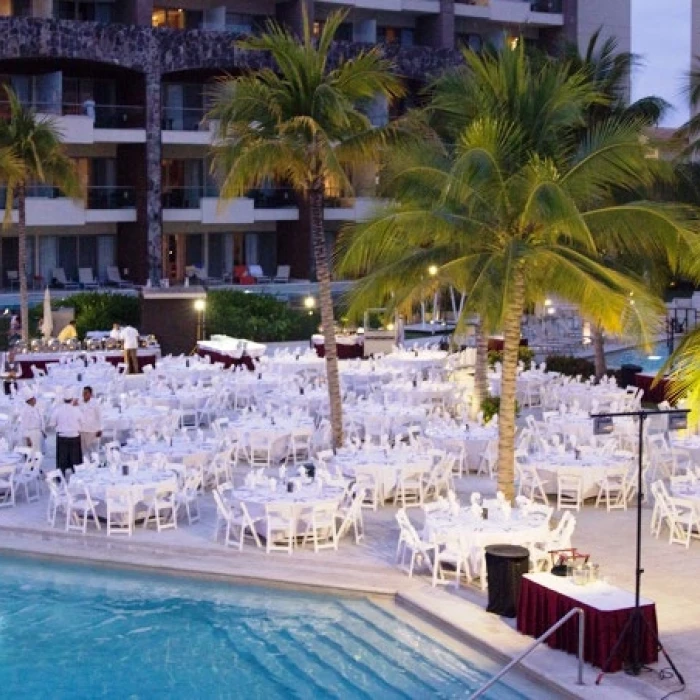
[39, 156]
[609, 71]
[301, 124]
[499, 210]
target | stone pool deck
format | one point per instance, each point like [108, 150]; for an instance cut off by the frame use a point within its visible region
[671, 579]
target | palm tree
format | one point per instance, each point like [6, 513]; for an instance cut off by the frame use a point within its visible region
[39, 156]
[499, 210]
[609, 71]
[301, 124]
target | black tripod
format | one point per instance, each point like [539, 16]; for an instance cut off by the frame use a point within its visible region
[636, 622]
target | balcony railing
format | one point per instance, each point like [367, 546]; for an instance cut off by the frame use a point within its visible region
[191, 197]
[184, 118]
[105, 116]
[111, 198]
[547, 6]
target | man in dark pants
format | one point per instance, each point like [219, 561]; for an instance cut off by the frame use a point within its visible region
[67, 418]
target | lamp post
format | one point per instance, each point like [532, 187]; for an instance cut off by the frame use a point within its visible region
[200, 306]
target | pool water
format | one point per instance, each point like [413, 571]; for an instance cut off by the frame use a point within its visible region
[650, 361]
[79, 632]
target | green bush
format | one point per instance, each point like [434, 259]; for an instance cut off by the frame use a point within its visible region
[570, 366]
[491, 405]
[525, 355]
[95, 311]
[258, 317]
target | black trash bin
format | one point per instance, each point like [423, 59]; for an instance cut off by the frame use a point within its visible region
[627, 373]
[505, 566]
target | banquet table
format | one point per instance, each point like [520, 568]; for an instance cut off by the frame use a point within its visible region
[688, 492]
[175, 452]
[691, 445]
[348, 346]
[454, 438]
[146, 356]
[285, 364]
[231, 351]
[420, 393]
[591, 467]
[385, 463]
[473, 533]
[132, 417]
[394, 417]
[302, 500]
[545, 599]
[415, 360]
[140, 484]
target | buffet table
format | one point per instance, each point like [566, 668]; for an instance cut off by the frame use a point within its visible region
[348, 346]
[545, 599]
[231, 352]
[146, 356]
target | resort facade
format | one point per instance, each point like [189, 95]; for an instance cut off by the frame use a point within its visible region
[127, 83]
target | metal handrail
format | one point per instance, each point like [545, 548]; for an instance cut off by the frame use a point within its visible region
[535, 644]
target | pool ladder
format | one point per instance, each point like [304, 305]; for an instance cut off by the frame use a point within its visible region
[535, 644]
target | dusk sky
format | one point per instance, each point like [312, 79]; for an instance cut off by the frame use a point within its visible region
[661, 38]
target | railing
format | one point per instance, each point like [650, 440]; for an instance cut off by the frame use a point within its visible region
[105, 116]
[535, 644]
[111, 198]
[190, 197]
[547, 6]
[184, 119]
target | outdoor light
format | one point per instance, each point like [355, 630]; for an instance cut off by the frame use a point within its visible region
[433, 270]
[653, 357]
[309, 302]
[551, 310]
[390, 326]
[200, 305]
[547, 302]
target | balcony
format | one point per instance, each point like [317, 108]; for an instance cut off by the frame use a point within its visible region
[47, 207]
[187, 126]
[535, 13]
[89, 123]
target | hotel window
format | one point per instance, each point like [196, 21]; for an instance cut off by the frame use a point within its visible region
[21, 8]
[176, 19]
[85, 11]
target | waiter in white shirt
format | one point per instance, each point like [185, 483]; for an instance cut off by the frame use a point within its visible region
[115, 333]
[91, 430]
[31, 423]
[130, 338]
[68, 420]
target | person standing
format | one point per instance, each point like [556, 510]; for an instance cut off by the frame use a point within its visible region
[91, 430]
[68, 421]
[68, 332]
[115, 333]
[130, 339]
[31, 423]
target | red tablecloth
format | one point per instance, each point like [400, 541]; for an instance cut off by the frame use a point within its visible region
[346, 351]
[541, 607]
[227, 360]
[654, 395]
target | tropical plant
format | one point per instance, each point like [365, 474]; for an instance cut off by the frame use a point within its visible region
[258, 317]
[38, 156]
[505, 211]
[301, 124]
[609, 70]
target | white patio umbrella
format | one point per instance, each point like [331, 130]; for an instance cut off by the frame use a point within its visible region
[47, 323]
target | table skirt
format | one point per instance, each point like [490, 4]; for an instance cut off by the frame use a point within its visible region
[539, 608]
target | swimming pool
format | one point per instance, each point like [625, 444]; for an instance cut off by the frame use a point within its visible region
[650, 361]
[79, 632]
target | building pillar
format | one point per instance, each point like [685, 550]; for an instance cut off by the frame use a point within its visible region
[154, 220]
[291, 14]
[136, 12]
[438, 31]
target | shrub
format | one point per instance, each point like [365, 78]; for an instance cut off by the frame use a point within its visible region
[491, 405]
[570, 366]
[525, 355]
[95, 311]
[258, 317]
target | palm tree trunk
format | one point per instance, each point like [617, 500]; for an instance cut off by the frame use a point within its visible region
[22, 263]
[323, 275]
[481, 371]
[599, 349]
[509, 378]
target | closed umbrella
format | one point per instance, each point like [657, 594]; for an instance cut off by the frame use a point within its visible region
[47, 323]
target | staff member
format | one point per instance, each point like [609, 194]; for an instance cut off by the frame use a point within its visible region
[115, 333]
[68, 332]
[91, 430]
[31, 423]
[130, 338]
[68, 421]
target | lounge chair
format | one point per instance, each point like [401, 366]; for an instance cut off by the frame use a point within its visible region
[200, 276]
[282, 275]
[60, 280]
[257, 272]
[87, 279]
[114, 279]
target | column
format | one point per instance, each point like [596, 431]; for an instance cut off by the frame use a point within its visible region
[154, 223]
[438, 31]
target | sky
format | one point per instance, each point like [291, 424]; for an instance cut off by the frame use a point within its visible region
[661, 39]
